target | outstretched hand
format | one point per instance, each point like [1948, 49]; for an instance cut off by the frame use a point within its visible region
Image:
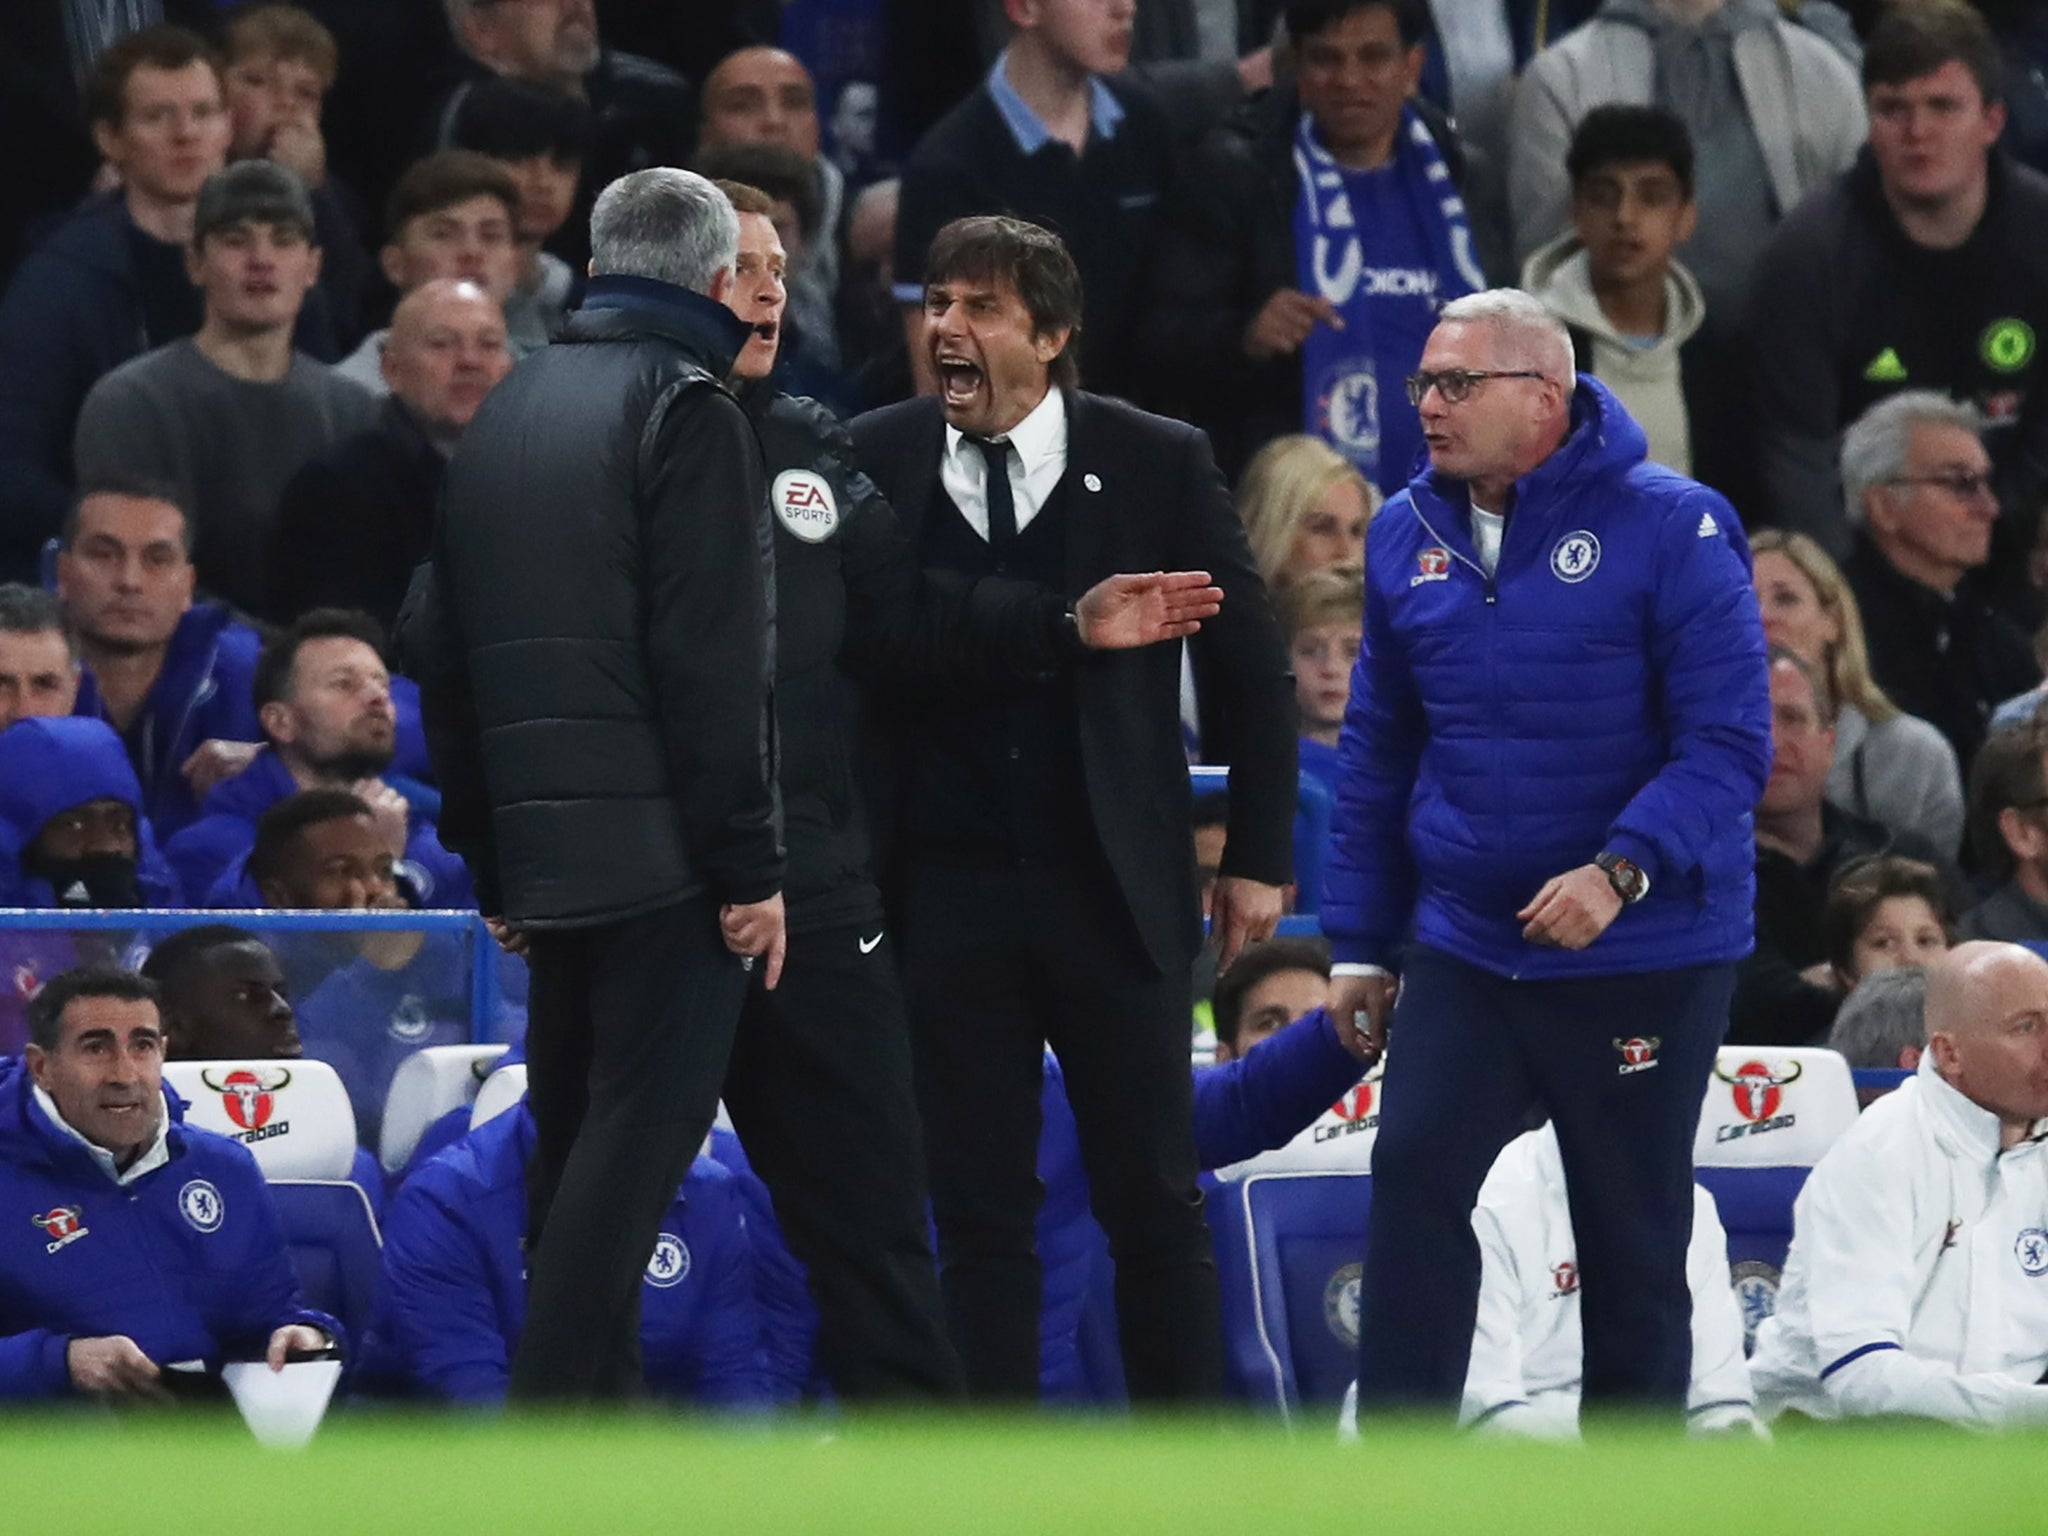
[1124, 612]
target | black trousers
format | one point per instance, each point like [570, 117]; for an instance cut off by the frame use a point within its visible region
[629, 1030]
[999, 963]
[820, 1094]
[1621, 1064]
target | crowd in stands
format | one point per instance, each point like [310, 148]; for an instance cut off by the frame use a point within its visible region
[263, 264]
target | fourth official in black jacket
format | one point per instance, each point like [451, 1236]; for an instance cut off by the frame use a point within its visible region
[1044, 829]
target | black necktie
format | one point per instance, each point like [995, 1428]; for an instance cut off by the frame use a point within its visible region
[1002, 507]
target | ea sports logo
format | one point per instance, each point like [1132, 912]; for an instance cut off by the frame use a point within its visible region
[247, 1096]
[670, 1262]
[803, 501]
[1757, 1090]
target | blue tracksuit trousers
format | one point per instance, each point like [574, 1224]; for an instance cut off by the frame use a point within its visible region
[1620, 1063]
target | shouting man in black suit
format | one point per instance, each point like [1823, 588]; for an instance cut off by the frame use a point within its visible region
[1049, 884]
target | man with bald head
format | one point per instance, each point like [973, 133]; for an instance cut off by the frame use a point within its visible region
[1558, 724]
[356, 520]
[765, 96]
[1917, 1283]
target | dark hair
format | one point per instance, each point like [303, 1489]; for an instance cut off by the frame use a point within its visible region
[511, 119]
[2005, 774]
[1910, 41]
[278, 829]
[172, 957]
[1305, 18]
[273, 679]
[1269, 957]
[1618, 134]
[1861, 888]
[1816, 681]
[443, 179]
[46, 1008]
[171, 48]
[140, 487]
[1034, 261]
[775, 169]
[26, 610]
[254, 192]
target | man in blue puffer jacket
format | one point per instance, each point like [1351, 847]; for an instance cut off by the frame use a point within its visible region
[454, 1302]
[128, 1241]
[1559, 723]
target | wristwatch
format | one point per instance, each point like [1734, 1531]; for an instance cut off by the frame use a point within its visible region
[1626, 876]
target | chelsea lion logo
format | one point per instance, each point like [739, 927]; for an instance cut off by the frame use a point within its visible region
[1576, 557]
[201, 1206]
[670, 1263]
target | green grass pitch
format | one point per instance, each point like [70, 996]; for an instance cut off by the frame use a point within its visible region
[973, 1474]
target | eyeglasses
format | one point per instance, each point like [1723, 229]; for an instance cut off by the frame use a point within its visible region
[1964, 487]
[1455, 384]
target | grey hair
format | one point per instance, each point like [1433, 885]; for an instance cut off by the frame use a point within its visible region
[28, 610]
[1874, 447]
[1530, 329]
[673, 226]
[1886, 1013]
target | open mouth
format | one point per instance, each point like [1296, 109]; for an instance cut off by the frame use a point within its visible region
[768, 330]
[959, 380]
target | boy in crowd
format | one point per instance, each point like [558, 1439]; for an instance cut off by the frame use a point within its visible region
[280, 66]
[228, 416]
[539, 138]
[1323, 615]
[1637, 317]
[452, 214]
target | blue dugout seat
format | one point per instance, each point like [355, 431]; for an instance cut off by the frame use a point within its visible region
[335, 1247]
[1289, 1250]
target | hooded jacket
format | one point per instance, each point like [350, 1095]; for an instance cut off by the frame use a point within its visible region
[202, 693]
[1605, 689]
[1917, 1281]
[1802, 98]
[454, 1302]
[595, 645]
[225, 834]
[188, 1260]
[1649, 380]
[48, 766]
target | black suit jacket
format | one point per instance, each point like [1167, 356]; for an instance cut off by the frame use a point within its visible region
[1144, 494]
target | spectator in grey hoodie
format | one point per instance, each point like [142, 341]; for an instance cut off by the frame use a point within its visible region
[1774, 112]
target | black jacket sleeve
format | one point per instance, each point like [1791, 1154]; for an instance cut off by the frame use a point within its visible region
[431, 652]
[707, 574]
[1242, 677]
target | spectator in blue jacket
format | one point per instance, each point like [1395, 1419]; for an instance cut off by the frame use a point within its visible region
[1559, 722]
[128, 1241]
[170, 675]
[72, 829]
[109, 281]
[454, 1301]
[324, 705]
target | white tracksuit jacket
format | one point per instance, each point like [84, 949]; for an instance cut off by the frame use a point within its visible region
[1527, 1350]
[1918, 1278]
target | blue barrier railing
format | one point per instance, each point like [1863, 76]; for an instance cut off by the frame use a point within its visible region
[1209, 778]
[1883, 1079]
[484, 990]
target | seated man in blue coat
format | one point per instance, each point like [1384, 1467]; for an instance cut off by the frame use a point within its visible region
[128, 1241]
[225, 998]
[454, 1300]
[324, 702]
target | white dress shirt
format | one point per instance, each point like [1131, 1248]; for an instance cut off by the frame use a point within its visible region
[153, 1157]
[1037, 459]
